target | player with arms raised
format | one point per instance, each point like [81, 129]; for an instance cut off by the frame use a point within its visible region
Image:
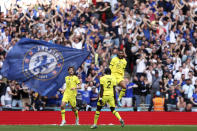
[107, 95]
[117, 66]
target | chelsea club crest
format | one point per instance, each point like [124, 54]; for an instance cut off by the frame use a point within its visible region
[42, 63]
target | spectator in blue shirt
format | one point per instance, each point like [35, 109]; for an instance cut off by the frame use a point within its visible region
[93, 97]
[193, 99]
[127, 99]
[85, 95]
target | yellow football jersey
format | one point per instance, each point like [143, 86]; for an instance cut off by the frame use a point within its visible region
[118, 66]
[108, 82]
[71, 82]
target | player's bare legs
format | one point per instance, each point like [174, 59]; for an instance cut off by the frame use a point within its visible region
[74, 109]
[63, 104]
[122, 92]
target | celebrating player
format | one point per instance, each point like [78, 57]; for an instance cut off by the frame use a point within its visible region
[70, 93]
[107, 95]
[117, 66]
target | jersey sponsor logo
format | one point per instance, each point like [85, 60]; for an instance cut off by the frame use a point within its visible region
[42, 63]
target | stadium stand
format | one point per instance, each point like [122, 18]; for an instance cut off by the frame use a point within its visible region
[159, 39]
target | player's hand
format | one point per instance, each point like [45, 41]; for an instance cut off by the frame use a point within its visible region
[100, 100]
[73, 88]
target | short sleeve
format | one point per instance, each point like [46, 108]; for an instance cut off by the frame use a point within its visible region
[65, 78]
[112, 63]
[101, 81]
[77, 80]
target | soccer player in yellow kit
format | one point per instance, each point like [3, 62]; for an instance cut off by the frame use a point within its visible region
[107, 95]
[117, 66]
[70, 93]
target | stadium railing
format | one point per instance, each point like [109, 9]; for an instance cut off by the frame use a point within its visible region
[143, 107]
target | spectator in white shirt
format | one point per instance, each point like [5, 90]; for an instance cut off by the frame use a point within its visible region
[130, 24]
[195, 58]
[185, 70]
[188, 90]
[192, 49]
[149, 73]
[192, 77]
[141, 64]
[8, 97]
[177, 61]
[76, 43]
[79, 30]
[172, 35]
[5, 40]
[179, 73]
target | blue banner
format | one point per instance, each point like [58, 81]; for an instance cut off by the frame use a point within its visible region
[42, 66]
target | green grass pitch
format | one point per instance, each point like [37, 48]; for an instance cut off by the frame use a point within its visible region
[100, 128]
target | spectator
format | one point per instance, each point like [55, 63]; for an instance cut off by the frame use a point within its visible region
[147, 93]
[93, 97]
[37, 103]
[138, 91]
[181, 104]
[155, 82]
[128, 98]
[172, 99]
[85, 95]
[16, 97]
[76, 43]
[25, 97]
[141, 66]
[79, 100]
[158, 103]
[193, 99]
[9, 94]
[159, 36]
[188, 90]
[3, 88]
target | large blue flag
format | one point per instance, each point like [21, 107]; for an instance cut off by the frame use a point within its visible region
[41, 65]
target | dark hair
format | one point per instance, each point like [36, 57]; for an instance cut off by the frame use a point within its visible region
[71, 67]
[156, 72]
[108, 71]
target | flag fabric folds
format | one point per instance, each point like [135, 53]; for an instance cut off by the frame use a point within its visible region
[42, 66]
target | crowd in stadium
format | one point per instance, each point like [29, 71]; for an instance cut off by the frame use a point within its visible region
[159, 39]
